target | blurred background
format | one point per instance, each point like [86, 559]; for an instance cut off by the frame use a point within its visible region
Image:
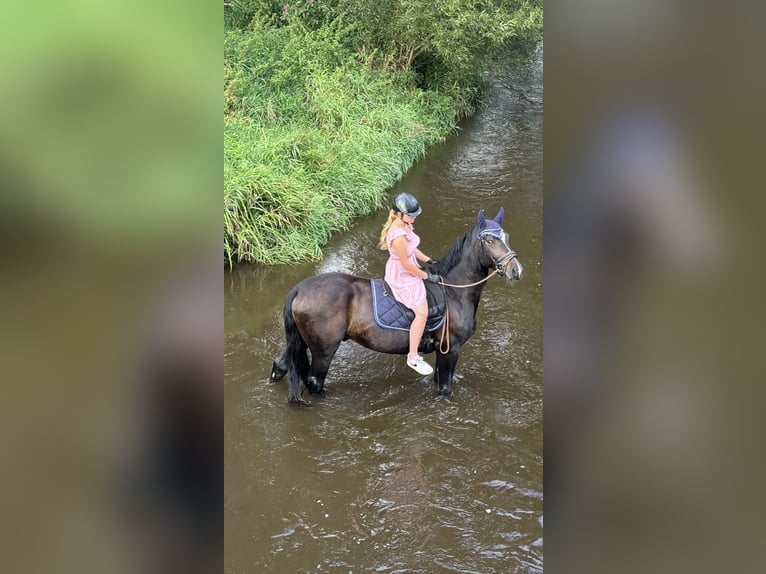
[653, 178]
[111, 289]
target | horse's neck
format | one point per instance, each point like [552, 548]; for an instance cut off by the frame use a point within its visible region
[468, 271]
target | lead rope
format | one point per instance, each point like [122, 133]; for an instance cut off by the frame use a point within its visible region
[444, 349]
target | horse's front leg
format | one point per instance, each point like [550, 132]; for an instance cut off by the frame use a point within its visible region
[445, 369]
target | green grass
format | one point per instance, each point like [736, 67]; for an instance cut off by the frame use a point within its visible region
[313, 138]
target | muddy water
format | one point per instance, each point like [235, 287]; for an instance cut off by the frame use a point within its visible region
[380, 475]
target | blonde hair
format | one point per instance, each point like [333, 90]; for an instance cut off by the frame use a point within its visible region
[382, 244]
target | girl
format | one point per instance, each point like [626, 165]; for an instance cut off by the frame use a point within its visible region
[403, 274]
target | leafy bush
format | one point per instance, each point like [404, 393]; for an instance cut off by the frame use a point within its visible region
[450, 42]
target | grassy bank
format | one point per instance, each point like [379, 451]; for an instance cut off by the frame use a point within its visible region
[312, 139]
[322, 117]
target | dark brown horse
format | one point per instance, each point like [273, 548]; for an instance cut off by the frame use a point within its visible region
[321, 312]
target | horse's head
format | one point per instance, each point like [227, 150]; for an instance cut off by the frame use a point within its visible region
[494, 244]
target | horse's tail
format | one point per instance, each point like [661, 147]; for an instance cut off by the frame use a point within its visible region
[295, 353]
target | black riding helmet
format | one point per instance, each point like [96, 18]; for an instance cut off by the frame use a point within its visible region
[407, 204]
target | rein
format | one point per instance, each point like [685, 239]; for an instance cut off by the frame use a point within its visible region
[503, 259]
[474, 284]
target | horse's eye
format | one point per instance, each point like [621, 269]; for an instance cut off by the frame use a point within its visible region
[489, 240]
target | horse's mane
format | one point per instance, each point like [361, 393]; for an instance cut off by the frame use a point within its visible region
[453, 255]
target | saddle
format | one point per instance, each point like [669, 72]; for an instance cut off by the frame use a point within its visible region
[391, 314]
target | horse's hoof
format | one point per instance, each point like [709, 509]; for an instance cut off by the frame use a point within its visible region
[299, 401]
[445, 392]
[314, 386]
[315, 392]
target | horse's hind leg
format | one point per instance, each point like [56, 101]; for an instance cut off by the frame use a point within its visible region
[279, 367]
[320, 364]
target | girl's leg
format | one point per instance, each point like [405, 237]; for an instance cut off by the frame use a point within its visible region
[416, 329]
[414, 360]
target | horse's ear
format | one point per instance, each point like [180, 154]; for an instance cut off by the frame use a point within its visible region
[499, 217]
[480, 219]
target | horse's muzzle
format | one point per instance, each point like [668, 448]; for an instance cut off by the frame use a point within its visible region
[516, 270]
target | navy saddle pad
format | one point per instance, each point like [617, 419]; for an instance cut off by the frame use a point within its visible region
[391, 314]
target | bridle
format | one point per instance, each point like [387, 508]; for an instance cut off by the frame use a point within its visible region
[499, 262]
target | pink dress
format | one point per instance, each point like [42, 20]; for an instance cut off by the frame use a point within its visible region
[408, 288]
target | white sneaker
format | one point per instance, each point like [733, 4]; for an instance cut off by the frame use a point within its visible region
[419, 365]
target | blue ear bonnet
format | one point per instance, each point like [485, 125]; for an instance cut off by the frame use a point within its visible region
[490, 227]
